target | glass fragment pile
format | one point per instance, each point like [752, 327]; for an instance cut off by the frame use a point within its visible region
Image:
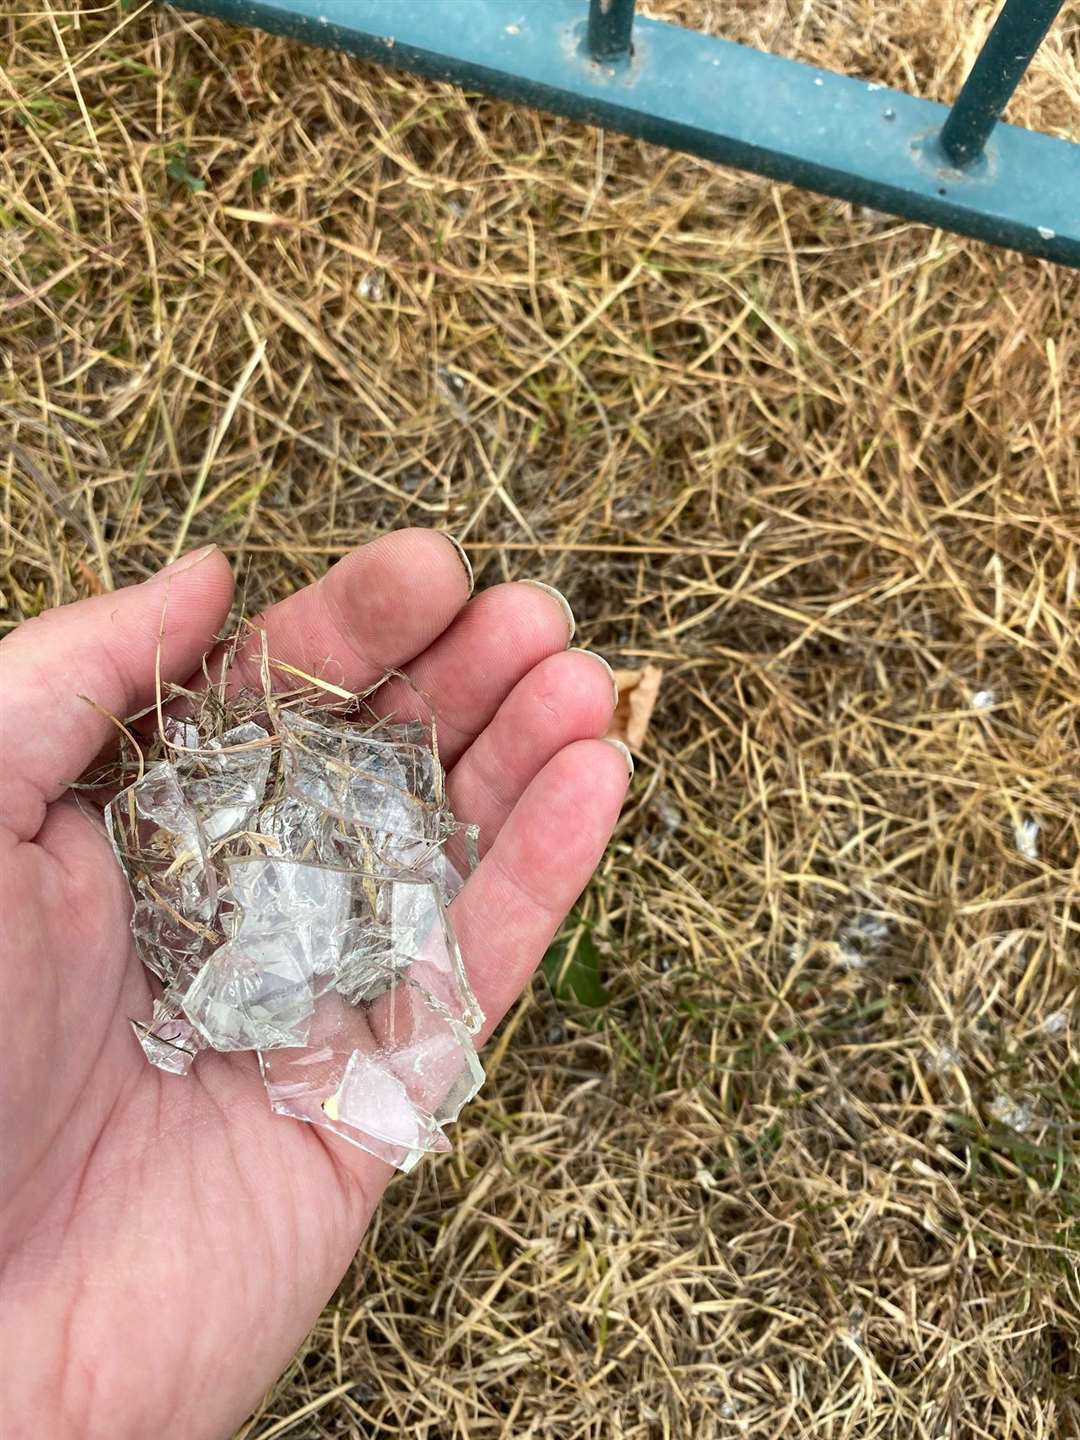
[290, 891]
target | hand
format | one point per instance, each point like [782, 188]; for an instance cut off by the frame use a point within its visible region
[167, 1242]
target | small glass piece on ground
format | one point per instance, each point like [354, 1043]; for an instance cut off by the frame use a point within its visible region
[292, 868]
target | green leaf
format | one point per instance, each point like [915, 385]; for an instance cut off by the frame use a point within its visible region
[260, 178]
[572, 969]
[177, 170]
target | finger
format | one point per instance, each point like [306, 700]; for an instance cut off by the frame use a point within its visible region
[513, 904]
[106, 650]
[371, 612]
[468, 672]
[565, 698]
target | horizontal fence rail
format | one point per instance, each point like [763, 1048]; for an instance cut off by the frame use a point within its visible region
[963, 170]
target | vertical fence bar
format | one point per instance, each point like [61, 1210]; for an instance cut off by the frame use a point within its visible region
[999, 67]
[610, 24]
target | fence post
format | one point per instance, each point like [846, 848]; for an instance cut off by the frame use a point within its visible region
[610, 24]
[999, 67]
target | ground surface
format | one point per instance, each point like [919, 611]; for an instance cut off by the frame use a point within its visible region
[811, 1170]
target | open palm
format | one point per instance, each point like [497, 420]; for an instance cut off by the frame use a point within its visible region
[166, 1242]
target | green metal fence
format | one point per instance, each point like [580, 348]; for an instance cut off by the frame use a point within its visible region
[958, 167]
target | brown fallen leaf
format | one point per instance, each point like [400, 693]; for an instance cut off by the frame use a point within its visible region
[638, 690]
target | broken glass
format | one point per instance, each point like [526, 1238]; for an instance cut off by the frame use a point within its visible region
[152, 819]
[387, 785]
[447, 862]
[386, 1077]
[166, 942]
[425, 946]
[254, 992]
[367, 963]
[170, 1041]
[291, 891]
[267, 893]
[160, 843]
[297, 831]
[224, 783]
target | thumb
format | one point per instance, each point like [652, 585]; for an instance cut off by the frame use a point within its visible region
[106, 650]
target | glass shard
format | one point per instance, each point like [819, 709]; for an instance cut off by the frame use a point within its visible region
[160, 843]
[367, 963]
[447, 862]
[269, 893]
[387, 787]
[425, 946]
[253, 993]
[386, 1078]
[224, 782]
[181, 734]
[166, 942]
[169, 1041]
[296, 830]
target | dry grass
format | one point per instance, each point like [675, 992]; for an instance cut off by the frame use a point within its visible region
[822, 467]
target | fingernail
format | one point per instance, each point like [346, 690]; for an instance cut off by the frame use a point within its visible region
[560, 600]
[577, 650]
[462, 557]
[182, 563]
[624, 752]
